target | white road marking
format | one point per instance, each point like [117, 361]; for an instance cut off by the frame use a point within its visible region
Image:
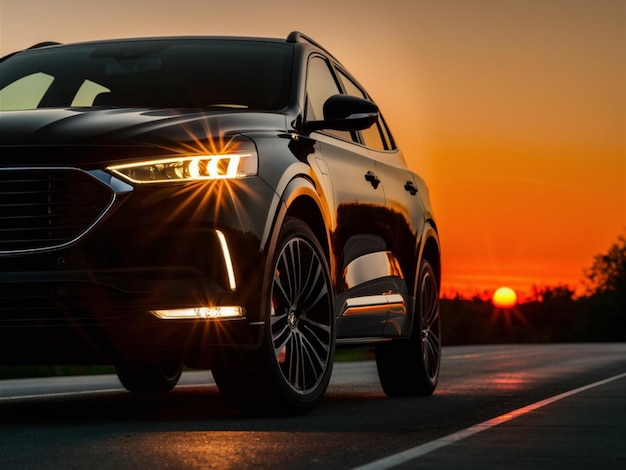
[415, 452]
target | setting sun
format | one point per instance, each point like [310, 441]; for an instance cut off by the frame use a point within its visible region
[504, 297]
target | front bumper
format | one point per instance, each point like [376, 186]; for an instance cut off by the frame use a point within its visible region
[157, 248]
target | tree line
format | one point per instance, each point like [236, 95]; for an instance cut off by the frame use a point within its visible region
[554, 314]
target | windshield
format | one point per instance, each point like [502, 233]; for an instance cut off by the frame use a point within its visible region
[149, 73]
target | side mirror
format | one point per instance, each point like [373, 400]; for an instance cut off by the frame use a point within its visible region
[345, 113]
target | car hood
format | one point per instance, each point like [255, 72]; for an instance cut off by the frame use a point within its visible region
[121, 130]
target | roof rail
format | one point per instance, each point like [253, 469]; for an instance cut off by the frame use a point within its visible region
[297, 36]
[36, 46]
[44, 44]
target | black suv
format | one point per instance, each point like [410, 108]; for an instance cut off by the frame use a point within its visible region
[237, 204]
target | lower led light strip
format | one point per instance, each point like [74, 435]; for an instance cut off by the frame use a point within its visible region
[199, 313]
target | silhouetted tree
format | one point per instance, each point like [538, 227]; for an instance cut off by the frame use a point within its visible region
[607, 275]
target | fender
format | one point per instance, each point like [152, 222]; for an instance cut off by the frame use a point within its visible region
[293, 186]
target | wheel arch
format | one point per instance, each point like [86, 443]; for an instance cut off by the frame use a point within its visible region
[306, 209]
[300, 199]
[431, 251]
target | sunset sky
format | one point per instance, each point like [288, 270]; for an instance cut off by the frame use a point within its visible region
[514, 111]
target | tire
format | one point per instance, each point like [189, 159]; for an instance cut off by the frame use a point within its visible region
[290, 372]
[159, 378]
[410, 367]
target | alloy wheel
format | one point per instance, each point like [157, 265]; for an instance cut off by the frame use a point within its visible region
[430, 325]
[301, 317]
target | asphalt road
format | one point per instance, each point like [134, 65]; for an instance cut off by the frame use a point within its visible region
[519, 406]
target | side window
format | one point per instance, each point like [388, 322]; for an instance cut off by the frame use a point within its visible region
[373, 136]
[25, 93]
[321, 85]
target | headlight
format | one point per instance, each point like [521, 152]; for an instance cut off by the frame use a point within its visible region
[190, 168]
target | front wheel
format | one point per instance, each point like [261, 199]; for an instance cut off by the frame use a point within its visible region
[411, 367]
[291, 371]
[153, 378]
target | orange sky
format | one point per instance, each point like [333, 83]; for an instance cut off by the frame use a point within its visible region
[513, 110]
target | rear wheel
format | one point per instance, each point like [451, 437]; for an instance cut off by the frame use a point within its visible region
[157, 378]
[290, 372]
[411, 367]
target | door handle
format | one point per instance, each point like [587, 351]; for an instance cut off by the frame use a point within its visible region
[411, 188]
[372, 178]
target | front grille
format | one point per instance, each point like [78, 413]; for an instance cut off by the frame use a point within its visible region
[46, 208]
